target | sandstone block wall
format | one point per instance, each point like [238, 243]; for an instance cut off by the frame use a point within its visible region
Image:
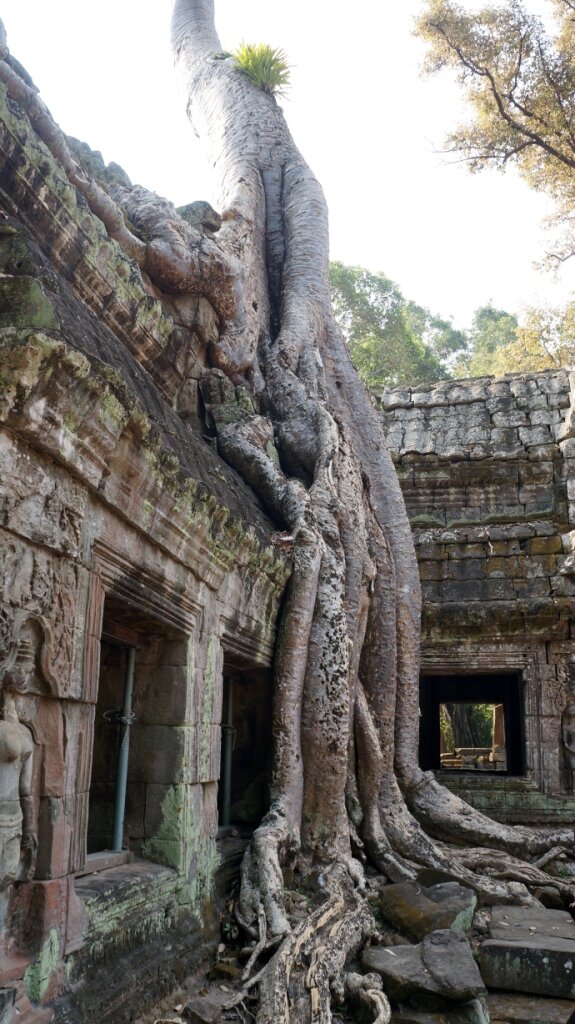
[487, 471]
[116, 516]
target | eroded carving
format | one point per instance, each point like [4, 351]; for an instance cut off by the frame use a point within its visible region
[24, 666]
[43, 588]
[568, 737]
[18, 834]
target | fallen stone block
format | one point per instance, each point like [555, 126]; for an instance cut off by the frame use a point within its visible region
[416, 910]
[203, 1010]
[530, 950]
[442, 965]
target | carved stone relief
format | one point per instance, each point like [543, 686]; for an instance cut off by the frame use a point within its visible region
[23, 663]
[18, 833]
[568, 738]
[38, 501]
[38, 612]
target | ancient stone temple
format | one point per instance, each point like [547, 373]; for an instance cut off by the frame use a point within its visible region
[140, 585]
[138, 580]
[487, 470]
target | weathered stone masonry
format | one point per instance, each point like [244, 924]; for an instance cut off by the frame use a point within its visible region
[117, 517]
[487, 468]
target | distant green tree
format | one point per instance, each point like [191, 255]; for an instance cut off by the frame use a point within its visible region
[391, 340]
[491, 331]
[439, 336]
[471, 724]
[545, 341]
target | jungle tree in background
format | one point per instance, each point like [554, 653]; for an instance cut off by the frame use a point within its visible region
[394, 341]
[391, 340]
[519, 78]
[492, 330]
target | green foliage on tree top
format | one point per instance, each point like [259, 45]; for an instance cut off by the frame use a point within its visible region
[265, 65]
[491, 330]
[394, 341]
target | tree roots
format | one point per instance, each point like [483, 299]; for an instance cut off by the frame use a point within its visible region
[298, 983]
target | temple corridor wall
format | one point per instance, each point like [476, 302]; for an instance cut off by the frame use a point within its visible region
[487, 469]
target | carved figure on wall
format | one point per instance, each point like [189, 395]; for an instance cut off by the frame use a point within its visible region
[17, 825]
[568, 737]
[25, 665]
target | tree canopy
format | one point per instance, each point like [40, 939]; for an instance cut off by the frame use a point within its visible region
[392, 340]
[544, 340]
[491, 331]
[518, 74]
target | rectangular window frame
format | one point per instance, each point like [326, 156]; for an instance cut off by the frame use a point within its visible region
[505, 688]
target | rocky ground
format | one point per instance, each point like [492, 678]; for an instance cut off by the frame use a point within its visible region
[439, 959]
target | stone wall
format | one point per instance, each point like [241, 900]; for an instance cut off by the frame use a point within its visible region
[117, 516]
[487, 471]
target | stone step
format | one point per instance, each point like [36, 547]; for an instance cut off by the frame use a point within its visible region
[440, 966]
[473, 1012]
[530, 950]
[515, 1008]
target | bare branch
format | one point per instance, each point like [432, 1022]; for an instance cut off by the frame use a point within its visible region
[485, 73]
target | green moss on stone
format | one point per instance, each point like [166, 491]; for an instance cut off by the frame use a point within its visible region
[24, 303]
[166, 846]
[38, 975]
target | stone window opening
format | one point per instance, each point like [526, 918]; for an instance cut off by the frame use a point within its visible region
[472, 723]
[111, 752]
[139, 737]
[243, 791]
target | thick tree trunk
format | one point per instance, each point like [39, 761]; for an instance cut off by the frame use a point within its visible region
[347, 660]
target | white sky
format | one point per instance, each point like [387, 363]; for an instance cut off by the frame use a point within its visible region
[359, 111]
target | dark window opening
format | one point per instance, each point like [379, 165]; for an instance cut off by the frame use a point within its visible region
[114, 659]
[243, 792]
[138, 739]
[472, 723]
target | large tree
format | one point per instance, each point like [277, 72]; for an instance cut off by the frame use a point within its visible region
[292, 416]
[518, 75]
[347, 658]
[544, 339]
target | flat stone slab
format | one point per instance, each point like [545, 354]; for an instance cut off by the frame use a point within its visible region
[473, 1012]
[530, 949]
[442, 965]
[520, 1009]
[415, 910]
